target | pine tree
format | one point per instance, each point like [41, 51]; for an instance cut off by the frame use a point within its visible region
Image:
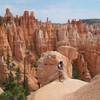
[11, 77]
[18, 74]
[25, 84]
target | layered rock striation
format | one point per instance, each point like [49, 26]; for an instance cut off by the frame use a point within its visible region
[24, 39]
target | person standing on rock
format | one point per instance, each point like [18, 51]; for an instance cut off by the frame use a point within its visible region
[61, 71]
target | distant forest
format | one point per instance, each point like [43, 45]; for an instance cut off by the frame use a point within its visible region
[91, 21]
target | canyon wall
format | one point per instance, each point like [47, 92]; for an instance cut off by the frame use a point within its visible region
[23, 39]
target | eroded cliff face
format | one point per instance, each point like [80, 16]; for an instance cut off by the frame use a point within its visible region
[24, 39]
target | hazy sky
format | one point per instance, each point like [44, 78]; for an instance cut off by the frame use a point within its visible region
[56, 10]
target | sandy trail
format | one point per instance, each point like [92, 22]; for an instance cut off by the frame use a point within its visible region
[90, 91]
[57, 90]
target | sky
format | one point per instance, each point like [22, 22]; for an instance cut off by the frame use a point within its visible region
[55, 10]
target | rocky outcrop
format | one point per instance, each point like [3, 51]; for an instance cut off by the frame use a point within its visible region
[69, 52]
[16, 38]
[19, 34]
[30, 75]
[83, 68]
[57, 90]
[48, 63]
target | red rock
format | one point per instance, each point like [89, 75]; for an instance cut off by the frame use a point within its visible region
[68, 51]
[47, 64]
[8, 15]
[83, 68]
[21, 33]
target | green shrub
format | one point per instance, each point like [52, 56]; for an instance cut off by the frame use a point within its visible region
[76, 74]
[6, 96]
[13, 92]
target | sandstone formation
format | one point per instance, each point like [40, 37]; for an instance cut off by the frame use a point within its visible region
[48, 63]
[69, 52]
[70, 89]
[56, 90]
[22, 34]
[83, 68]
[30, 74]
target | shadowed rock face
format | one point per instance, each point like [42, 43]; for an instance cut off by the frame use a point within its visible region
[1, 20]
[25, 33]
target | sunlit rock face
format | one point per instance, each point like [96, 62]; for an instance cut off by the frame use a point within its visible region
[16, 37]
[19, 34]
[41, 42]
[69, 52]
[1, 91]
[57, 90]
[48, 65]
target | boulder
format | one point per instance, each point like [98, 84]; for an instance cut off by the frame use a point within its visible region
[56, 90]
[68, 51]
[30, 75]
[47, 70]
